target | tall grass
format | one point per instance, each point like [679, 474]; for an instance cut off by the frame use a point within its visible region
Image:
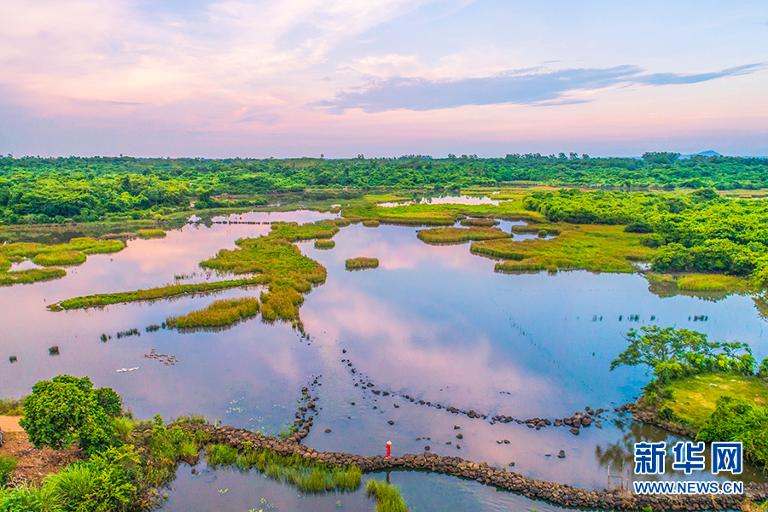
[150, 233]
[11, 406]
[67, 257]
[305, 475]
[459, 235]
[31, 275]
[220, 313]
[387, 496]
[324, 244]
[280, 303]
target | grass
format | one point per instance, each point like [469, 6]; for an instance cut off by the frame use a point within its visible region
[32, 275]
[371, 223]
[305, 475]
[459, 235]
[220, 313]
[7, 466]
[150, 233]
[387, 496]
[694, 398]
[711, 283]
[361, 263]
[11, 407]
[324, 244]
[293, 231]
[596, 248]
[163, 292]
[280, 303]
[479, 222]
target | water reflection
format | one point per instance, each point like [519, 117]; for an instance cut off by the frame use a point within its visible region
[433, 321]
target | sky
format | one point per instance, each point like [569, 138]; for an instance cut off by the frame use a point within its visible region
[289, 78]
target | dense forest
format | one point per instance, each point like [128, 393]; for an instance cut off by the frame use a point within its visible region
[38, 190]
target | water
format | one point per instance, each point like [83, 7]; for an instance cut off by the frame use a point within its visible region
[432, 321]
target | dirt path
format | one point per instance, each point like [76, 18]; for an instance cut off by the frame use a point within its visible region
[10, 424]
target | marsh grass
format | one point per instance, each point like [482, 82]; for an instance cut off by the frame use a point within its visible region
[74, 252]
[460, 235]
[293, 231]
[324, 244]
[712, 282]
[387, 496]
[361, 263]
[304, 474]
[163, 292]
[596, 248]
[280, 303]
[50, 259]
[220, 313]
[150, 233]
[371, 223]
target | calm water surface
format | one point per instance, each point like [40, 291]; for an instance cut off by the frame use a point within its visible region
[432, 321]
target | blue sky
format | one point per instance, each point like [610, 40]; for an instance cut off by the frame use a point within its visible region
[340, 77]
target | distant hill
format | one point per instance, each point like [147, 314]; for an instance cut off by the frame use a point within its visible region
[708, 153]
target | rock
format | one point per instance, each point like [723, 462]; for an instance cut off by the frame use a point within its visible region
[459, 436]
[574, 431]
[391, 422]
[427, 448]
[328, 431]
[456, 427]
[561, 454]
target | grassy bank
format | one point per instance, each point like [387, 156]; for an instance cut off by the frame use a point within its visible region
[162, 292]
[387, 496]
[696, 282]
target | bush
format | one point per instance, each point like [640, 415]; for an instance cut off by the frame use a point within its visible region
[762, 370]
[738, 420]
[66, 409]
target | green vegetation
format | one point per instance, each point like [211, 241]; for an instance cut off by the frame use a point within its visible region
[718, 283]
[163, 292]
[324, 244]
[73, 252]
[281, 303]
[479, 222]
[675, 353]
[11, 407]
[696, 232]
[292, 231]
[459, 235]
[66, 409]
[361, 263]
[7, 467]
[305, 475]
[735, 419]
[587, 247]
[387, 496]
[220, 313]
[45, 190]
[150, 233]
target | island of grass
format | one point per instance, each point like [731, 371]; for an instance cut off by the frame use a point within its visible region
[324, 244]
[74, 252]
[220, 313]
[150, 233]
[459, 235]
[593, 247]
[387, 496]
[698, 282]
[163, 292]
[478, 221]
[361, 263]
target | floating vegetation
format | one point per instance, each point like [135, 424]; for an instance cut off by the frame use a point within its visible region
[74, 252]
[307, 476]
[163, 292]
[150, 233]
[479, 221]
[220, 313]
[459, 235]
[387, 496]
[324, 244]
[361, 263]
[127, 333]
[579, 247]
[371, 223]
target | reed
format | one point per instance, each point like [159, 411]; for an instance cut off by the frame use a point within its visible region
[361, 263]
[387, 496]
[220, 313]
[56, 258]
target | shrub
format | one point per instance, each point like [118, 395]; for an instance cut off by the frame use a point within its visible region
[762, 371]
[738, 420]
[66, 409]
